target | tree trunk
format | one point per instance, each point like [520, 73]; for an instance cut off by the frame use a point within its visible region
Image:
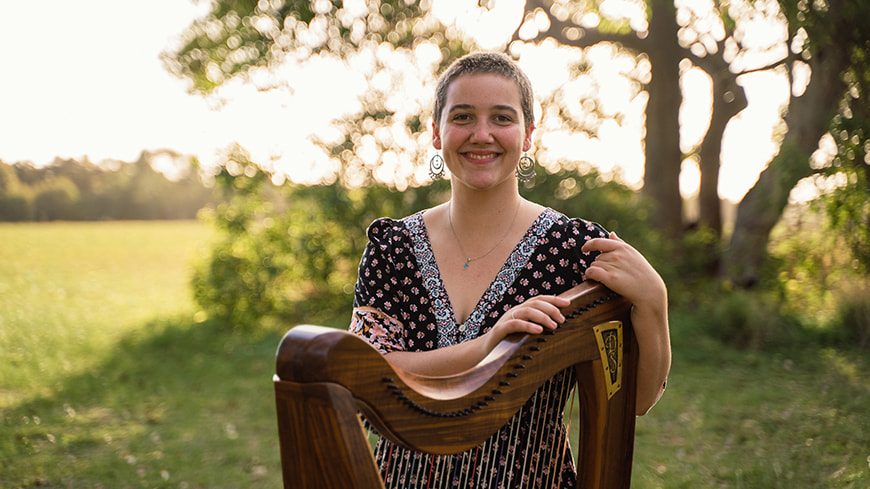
[729, 99]
[807, 120]
[662, 140]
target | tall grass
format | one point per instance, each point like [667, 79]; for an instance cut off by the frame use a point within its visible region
[105, 378]
[107, 381]
[70, 291]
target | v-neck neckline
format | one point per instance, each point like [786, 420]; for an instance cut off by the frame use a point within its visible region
[450, 331]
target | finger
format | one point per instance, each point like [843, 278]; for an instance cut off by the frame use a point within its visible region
[511, 323]
[600, 244]
[518, 324]
[597, 274]
[604, 271]
[551, 305]
[546, 315]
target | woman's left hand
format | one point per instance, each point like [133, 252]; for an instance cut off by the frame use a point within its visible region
[625, 271]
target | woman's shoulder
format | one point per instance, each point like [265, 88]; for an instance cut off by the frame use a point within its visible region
[562, 224]
[386, 229]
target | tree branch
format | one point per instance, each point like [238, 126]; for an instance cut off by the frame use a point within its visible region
[558, 28]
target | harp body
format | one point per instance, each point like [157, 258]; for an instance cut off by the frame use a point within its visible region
[324, 377]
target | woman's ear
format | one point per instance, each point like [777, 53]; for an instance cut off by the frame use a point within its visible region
[527, 143]
[436, 137]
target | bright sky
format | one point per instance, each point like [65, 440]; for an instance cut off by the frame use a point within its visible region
[85, 79]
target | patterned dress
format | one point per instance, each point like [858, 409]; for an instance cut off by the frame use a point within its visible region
[400, 304]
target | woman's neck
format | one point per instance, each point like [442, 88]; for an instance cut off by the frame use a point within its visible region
[478, 213]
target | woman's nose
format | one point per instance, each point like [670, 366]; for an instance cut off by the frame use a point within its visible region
[481, 133]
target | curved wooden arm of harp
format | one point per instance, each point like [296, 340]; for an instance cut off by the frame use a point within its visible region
[462, 409]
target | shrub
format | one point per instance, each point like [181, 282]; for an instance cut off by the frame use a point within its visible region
[15, 208]
[290, 253]
[852, 320]
[55, 200]
[753, 320]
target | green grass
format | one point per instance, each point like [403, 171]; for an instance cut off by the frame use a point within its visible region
[797, 419]
[106, 380]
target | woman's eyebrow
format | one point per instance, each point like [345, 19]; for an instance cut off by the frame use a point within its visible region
[506, 108]
[461, 107]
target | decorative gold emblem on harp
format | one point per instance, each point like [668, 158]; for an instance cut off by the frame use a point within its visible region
[609, 336]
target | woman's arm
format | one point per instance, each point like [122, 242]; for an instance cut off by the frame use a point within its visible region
[625, 271]
[531, 317]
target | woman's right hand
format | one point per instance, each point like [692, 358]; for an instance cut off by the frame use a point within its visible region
[531, 317]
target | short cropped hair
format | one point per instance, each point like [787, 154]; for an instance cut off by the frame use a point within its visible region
[485, 63]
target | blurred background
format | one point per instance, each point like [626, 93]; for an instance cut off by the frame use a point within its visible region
[182, 182]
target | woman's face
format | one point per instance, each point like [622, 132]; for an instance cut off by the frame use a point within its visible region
[482, 132]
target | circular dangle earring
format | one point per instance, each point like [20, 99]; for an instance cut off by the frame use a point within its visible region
[436, 167]
[526, 168]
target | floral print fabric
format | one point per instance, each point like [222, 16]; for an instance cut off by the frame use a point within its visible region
[400, 304]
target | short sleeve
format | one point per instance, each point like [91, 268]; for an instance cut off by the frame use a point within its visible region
[584, 231]
[565, 242]
[377, 295]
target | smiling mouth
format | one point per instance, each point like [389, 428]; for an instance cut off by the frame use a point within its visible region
[487, 156]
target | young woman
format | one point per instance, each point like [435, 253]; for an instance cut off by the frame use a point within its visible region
[438, 289]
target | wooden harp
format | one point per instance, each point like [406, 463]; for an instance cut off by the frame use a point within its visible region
[325, 377]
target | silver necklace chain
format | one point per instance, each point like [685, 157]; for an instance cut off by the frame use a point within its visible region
[458, 242]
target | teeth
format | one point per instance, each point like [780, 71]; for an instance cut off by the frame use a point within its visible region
[481, 157]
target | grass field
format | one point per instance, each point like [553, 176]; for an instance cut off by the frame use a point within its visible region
[107, 381]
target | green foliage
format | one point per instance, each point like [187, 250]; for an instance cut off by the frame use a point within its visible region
[81, 190]
[853, 316]
[9, 182]
[54, 200]
[848, 205]
[14, 204]
[15, 208]
[820, 280]
[590, 195]
[753, 320]
[832, 29]
[239, 35]
[290, 252]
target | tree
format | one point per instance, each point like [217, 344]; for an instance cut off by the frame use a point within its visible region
[827, 38]
[55, 200]
[80, 190]
[14, 205]
[849, 204]
[241, 37]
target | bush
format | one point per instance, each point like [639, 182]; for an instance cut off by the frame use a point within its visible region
[852, 320]
[15, 208]
[55, 200]
[754, 320]
[290, 253]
